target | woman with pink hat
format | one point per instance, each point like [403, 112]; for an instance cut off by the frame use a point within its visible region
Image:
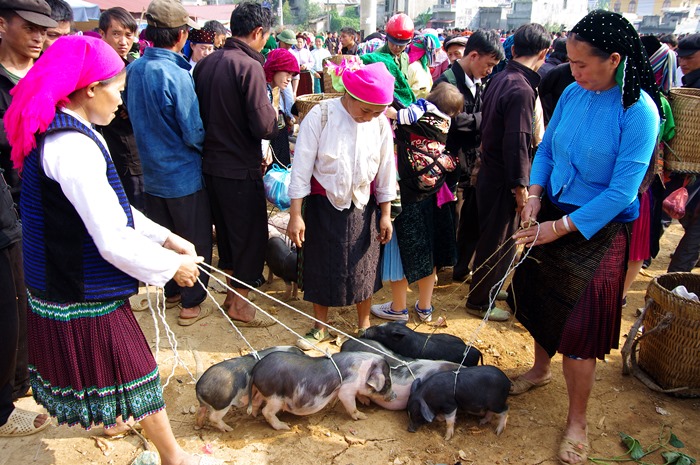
[86, 249]
[345, 185]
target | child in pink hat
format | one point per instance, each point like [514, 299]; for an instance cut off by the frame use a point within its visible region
[346, 185]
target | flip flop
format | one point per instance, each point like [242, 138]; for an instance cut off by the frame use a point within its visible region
[257, 322]
[521, 385]
[139, 305]
[21, 423]
[174, 303]
[572, 446]
[204, 311]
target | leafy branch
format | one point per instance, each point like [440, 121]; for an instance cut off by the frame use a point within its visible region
[636, 452]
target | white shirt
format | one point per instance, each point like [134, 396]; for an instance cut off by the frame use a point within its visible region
[344, 157]
[318, 54]
[74, 161]
[471, 85]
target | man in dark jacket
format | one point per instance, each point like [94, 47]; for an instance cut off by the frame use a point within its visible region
[506, 143]
[118, 29]
[482, 52]
[687, 252]
[237, 115]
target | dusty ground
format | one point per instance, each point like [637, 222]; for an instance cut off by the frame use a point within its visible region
[618, 403]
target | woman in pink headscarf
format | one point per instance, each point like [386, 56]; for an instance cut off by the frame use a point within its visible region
[345, 183]
[86, 249]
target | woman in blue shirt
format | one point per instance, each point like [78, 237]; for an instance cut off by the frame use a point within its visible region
[583, 193]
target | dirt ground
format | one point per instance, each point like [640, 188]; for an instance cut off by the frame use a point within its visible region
[618, 403]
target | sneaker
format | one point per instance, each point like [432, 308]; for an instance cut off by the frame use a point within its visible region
[424, 315]
[497, 314]
[313, 337]
[385, 312]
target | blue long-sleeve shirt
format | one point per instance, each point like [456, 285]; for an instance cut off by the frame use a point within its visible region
[164, 112]
[594, 155]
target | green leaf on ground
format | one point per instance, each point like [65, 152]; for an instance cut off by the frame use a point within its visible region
[675, 442]
[636, 451]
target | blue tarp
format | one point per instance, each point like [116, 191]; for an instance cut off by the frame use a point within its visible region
[84, 11]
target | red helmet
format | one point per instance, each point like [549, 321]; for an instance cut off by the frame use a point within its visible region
[399, 29]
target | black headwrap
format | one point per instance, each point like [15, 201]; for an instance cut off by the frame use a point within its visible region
[612, 33]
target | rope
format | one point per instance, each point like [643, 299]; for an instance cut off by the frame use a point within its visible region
[492, 298]
[284, 304]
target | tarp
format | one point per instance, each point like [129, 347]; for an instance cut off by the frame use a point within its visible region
[84, 11]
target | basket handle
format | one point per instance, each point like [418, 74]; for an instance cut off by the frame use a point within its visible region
[638, 373]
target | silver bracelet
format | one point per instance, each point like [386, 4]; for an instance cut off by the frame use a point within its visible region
[567, 226]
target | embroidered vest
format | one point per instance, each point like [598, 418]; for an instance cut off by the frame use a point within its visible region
[61, 261]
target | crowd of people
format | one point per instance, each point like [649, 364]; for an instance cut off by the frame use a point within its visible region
[440, 152]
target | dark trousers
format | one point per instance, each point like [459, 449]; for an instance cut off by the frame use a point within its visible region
[189, 217]
[467, 232]
[240, 216]
[498, 221]
[133, 187]
[14, 377]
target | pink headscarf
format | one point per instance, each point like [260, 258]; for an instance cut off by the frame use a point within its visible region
[280, 59]
[71, 63]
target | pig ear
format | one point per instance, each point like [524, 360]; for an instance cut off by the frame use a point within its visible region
[426, 412]
[415, 385]
[376, 380]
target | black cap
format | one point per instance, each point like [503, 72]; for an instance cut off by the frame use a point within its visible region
[688, 45]
[35, 11]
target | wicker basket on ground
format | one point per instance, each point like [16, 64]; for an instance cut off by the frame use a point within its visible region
[306, 102]
[670, 347]
[682, 154]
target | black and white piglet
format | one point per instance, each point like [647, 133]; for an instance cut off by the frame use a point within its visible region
[304, 385]
[403, 340]
[226, 385]
[481, 391]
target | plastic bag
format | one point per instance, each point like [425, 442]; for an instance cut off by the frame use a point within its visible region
[276, 182]
[674, 204]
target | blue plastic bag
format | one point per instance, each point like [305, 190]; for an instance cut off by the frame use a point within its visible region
[276, 182]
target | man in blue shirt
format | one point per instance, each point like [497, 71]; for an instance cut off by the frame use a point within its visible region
[169, 134]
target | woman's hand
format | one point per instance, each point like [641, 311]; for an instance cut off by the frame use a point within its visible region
[188, 272]
[544, 233]
[296, 230]
[179, 245]
[530, 211]
[386, 229]
[391, 112]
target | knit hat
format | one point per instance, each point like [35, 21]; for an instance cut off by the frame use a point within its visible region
[612, 33]
[48, 84]
[202, 36]
[278, 60]
[371, 83]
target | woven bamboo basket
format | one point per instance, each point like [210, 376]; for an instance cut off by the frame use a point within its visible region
[671, 355]
[306, 102]
[337, 59]
[682, 154]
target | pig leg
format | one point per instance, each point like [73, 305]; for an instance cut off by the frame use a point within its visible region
[255, 403]
[295, 291]
[487, 418]
[274, 404]
[348, 401]
[287, 292]
[216, 419]
[270, 276]
[364, 400]
[450, 419]
[201, 416]
[502, 420]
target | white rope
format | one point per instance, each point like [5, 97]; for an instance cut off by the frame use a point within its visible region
[284, 304]
[492, 298]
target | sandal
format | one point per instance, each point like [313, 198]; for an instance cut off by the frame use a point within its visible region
[204, 311]
[21, 423]
[139, 305]
[521, 385]
[173, 303]
[257, 322]
[572, 446]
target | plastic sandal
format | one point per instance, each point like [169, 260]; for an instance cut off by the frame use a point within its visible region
[21, 423]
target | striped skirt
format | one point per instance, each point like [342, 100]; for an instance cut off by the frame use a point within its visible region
[89, 362]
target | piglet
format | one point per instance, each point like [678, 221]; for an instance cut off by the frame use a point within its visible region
[481, 391]
[304, 385]
[403, 340]
[226, 385]
[282, 261]
[404, 371]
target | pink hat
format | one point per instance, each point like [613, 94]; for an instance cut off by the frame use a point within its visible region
[280, 59]
[49, 83]
[371, 84]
